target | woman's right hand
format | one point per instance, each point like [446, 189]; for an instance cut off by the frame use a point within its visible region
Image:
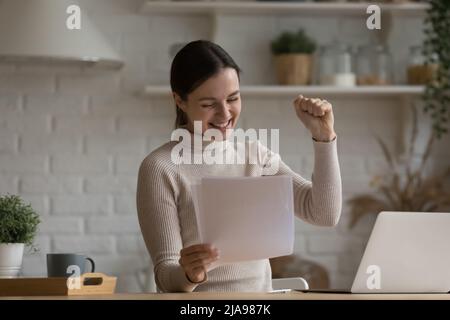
[197, 260]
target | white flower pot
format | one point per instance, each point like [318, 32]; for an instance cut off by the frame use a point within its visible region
[11, 255]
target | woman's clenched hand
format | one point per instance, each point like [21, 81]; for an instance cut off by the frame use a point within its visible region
[197, 260]
[317, 116]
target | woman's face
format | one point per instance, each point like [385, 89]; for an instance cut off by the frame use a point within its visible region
[216, 102]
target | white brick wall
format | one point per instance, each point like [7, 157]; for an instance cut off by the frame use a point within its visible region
[103, 83]
[10, 102]
[146, 125]
[124, 205]
[116, 225]
[85, 244]
[111, 185]
[8, 143]
[14, 163]
[49, 184]
[50, 144]
[127, 164]
[89, 125]
[61, 225]
[115, 144]
[28, 83]
[86, 204]
[83, 164]
[8, 184]
[39, 104]
[26, 124]
[127, 244]
[72, 139]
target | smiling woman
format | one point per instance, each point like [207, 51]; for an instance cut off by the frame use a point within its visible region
[219, 112]
[205, 86]
[215, 102]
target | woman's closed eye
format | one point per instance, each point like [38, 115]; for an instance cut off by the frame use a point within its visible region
[209, 105]
[213, 104]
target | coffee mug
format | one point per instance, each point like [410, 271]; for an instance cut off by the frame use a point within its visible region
[66, 264]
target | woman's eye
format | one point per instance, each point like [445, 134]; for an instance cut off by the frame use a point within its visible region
[212, 105]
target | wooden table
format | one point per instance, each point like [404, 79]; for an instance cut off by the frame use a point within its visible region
[294, 295]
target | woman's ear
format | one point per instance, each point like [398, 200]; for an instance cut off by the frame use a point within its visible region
[179, 102]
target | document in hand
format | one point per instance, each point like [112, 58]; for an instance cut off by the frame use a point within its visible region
[246, 218]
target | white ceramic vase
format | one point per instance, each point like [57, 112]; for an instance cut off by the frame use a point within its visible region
[11, 255]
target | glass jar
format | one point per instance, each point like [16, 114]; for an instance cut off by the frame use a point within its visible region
[326, 65]
[418, 71]
[335, 66]
[344, 75]
[374, 65]
[383, 65]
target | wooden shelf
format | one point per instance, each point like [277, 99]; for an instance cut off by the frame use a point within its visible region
[264, 7]
[289, 8]
[292, 91]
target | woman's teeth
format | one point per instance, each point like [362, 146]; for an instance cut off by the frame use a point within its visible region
[221, 125]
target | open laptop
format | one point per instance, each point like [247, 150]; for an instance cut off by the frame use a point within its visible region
[407, 252]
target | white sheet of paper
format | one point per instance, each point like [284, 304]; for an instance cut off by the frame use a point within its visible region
[247, 218]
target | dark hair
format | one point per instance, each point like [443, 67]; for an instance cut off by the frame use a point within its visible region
[195, 63]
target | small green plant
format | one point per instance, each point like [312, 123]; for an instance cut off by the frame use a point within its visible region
[293, 42]
[18, 221]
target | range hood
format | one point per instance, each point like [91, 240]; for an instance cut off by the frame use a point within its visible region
[36, 31]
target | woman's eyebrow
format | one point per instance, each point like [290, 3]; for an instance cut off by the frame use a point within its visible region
[212, 98]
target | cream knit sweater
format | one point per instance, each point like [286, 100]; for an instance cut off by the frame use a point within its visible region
[167, 216]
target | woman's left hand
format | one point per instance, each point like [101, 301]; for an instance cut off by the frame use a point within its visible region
[317, 116]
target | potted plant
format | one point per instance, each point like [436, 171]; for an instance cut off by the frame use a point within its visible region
[18, 227]
[293, 57]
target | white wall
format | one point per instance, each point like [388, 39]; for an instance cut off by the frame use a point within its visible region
[71, 140]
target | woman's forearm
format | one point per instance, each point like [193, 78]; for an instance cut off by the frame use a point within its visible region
[325, 201]
[318, 201]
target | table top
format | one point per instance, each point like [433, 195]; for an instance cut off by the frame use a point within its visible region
[293, 295]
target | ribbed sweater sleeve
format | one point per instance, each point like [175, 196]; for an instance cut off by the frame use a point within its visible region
[158, 219]
[319, 201]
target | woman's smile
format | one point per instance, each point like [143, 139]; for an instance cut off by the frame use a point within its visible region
[221, 125]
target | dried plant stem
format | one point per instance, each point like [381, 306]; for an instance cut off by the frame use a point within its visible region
[426, 154]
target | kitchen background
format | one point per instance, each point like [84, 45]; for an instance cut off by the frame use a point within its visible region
[72, 139]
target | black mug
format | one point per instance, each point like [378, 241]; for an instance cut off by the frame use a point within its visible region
[66, 264]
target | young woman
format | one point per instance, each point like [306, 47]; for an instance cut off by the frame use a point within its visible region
[205, 86]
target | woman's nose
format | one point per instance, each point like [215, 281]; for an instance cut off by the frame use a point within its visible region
[224, 110]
